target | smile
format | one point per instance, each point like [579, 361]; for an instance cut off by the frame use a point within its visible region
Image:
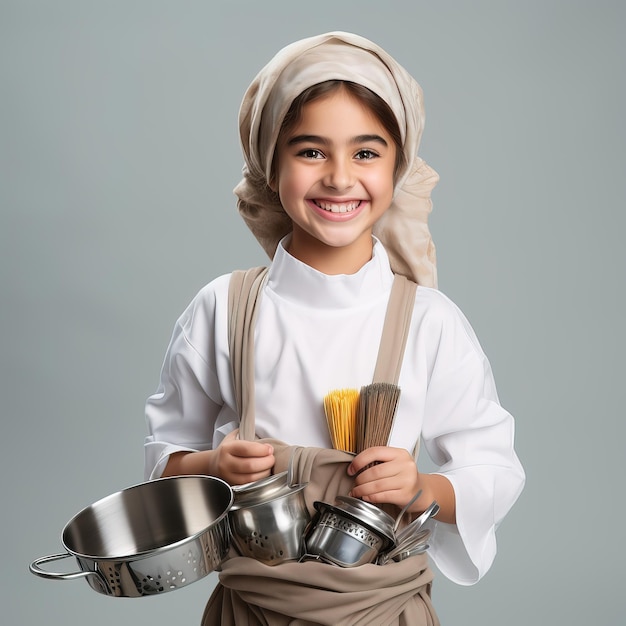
[338, 207]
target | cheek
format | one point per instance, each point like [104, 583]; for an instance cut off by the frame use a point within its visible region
[383, 183]
[290, 181]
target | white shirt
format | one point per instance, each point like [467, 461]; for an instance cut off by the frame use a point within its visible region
[316, 333]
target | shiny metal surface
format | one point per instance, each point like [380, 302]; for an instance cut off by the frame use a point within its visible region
[413, 544]
[261, 490]
[268, 520]
[411, 540]
[368, 514]
[418, 522]
[404, 509]
[150, 538]
[349, 533]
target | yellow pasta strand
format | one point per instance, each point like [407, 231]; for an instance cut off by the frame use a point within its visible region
[341, 406]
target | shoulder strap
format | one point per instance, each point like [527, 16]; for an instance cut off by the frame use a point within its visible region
[395, 330]
[243, 295]
[395, 334]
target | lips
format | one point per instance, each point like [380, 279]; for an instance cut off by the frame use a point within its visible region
[338, 207]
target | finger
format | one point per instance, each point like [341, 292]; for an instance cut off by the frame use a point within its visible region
[396, 489]
[248, 464]
[250, 449]
[377, 454]
[379, 492]
[374, 484]
[233, 434]
[242, 470]
[242, 479]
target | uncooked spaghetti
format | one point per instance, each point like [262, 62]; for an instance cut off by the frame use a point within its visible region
[378, 403]
[341, 407]
[358, 420]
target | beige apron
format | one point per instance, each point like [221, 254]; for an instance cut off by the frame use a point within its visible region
[250, 593]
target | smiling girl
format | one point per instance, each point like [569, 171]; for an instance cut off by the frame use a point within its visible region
[334, 191]
[334, 175]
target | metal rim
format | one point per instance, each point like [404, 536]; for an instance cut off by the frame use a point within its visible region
[320, 506]
[284, 492]
[368, 513]
[222, 518]
[264, 488]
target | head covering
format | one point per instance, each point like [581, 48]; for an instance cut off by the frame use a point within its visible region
[403, 228]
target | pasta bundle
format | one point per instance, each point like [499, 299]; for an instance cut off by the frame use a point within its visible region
[341, 406]
[358, 420]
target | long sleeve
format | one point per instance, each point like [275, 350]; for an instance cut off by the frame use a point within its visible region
[470, 437]
[188, 412]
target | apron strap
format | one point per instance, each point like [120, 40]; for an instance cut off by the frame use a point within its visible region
[243, 294]
[395, 330]
[395, 333]
[243, 297]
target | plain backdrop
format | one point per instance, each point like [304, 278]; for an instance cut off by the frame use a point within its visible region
[118, 155]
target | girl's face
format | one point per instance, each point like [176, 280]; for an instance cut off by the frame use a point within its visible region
[335, 178]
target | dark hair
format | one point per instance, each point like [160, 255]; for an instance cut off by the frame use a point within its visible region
[372, 101]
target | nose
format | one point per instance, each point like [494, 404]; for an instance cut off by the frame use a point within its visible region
[339, 175]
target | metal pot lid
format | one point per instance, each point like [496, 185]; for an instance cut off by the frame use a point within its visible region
[263, 487]
[363, 513]
[369, 512]
[263, 490]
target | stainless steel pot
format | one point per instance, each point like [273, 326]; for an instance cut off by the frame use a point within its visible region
[268, 519]
[349, 533]
[148, 539]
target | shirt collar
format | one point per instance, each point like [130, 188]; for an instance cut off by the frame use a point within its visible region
[297, 282]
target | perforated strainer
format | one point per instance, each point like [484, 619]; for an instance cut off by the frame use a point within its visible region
[268, 519]
[148, 539]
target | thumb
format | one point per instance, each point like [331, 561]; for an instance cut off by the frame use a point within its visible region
[232, 435]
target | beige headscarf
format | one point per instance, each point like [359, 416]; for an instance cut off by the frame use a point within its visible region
[403, 228]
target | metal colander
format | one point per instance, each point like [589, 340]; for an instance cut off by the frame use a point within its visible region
[150, 538]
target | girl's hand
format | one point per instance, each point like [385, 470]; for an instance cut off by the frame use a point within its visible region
[238, 462]
[393, 480]
[234, 460]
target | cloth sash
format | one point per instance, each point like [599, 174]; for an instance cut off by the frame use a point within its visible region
[312, 594]
[250, 593]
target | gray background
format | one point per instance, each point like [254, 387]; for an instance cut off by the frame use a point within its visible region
[119, 152]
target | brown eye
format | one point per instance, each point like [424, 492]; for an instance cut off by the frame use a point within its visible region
[366, 155]
[311, 153]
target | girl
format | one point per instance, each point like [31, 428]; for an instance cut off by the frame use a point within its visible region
[334, 191]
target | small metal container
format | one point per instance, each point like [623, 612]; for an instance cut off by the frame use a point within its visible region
[268, 519]
[349, 533]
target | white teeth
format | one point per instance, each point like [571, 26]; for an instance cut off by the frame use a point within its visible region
[345, 207]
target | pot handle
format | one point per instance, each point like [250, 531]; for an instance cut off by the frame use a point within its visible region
[35, 569]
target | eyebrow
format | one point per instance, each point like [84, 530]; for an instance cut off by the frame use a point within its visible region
[298, 139]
